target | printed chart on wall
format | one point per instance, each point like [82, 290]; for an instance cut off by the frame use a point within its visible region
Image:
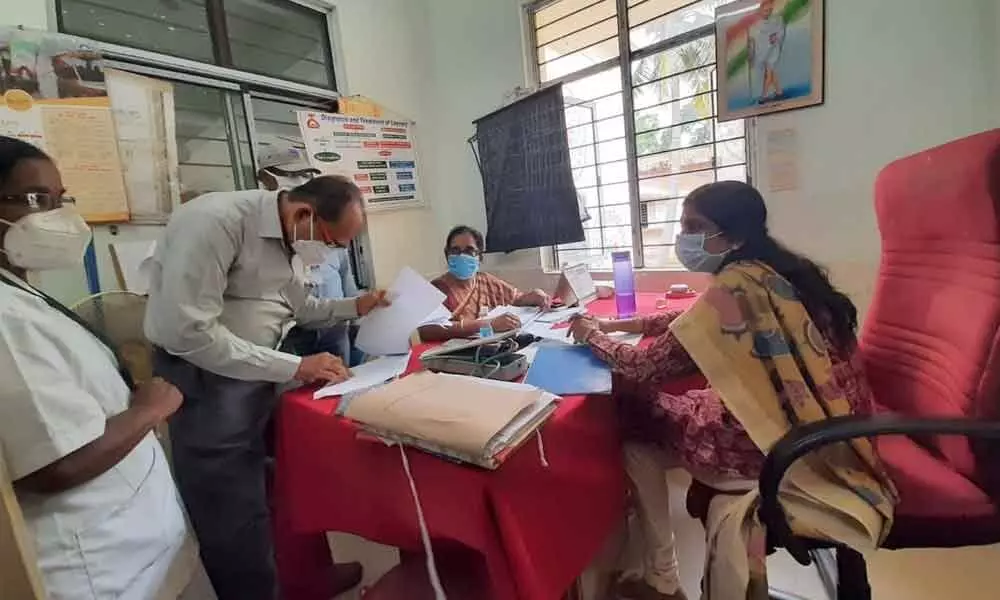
[54, 96]
[376, 154]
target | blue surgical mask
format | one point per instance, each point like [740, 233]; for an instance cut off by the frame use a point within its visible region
[690, 249]
[463, 266]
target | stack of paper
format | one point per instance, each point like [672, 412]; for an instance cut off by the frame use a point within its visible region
[367, 375]
[561, 315]
[556, 332]
[526, 314]
[387, 330]
[467, 419]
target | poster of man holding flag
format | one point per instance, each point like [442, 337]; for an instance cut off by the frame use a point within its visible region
[770, 56]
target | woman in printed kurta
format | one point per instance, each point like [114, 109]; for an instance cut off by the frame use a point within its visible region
[722, 224]
[470, 292]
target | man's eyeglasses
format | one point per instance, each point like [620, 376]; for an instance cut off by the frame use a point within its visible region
[39, 201]
[468, 251]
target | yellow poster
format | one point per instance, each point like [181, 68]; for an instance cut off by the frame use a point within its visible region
[54, 96]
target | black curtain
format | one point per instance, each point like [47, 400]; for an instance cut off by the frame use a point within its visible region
[523, 157]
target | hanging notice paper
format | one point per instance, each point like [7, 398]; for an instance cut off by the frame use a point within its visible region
[376, 154]
[54, 96]
[782, 156]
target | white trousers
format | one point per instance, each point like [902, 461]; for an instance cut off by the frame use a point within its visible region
[651, 552]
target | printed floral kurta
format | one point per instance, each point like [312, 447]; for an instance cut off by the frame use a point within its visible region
[695, 427]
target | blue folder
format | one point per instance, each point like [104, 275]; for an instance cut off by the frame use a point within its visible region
[566, 370]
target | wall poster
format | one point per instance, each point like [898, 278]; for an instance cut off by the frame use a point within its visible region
[54, 96]
[376, 154]
[770, 56]
[143, 110]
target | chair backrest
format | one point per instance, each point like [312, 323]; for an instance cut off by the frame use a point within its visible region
[930, 339]
[19, 576]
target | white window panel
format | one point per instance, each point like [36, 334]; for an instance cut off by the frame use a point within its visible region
[678, 145]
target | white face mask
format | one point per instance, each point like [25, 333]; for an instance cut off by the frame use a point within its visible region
[286, 182]
[53, 239]
[311, 252]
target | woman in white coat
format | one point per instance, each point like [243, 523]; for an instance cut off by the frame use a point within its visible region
[89, 474]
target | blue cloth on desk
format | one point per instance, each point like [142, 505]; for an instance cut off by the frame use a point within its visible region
[566, 370]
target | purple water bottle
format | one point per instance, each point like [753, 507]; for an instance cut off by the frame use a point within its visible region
[621, 262]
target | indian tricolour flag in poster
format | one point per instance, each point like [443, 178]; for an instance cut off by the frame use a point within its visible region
[770, 56]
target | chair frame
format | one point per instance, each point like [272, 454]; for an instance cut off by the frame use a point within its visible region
[852, 577]
[19, 574]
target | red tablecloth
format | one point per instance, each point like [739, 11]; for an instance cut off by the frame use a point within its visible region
[537, 528]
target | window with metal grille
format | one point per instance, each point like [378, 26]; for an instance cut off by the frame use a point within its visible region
[636, 155]
[239, 70]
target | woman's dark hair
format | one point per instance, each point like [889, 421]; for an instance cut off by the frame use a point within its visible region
[329, 195]
[463, 230]
[738, 210]
[13, 151]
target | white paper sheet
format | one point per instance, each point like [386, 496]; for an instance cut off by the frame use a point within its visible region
[367, 375]
[134, 260]
[526, 314]
[440, 316]
[546, 331]
[549, 332]
[561, 315]
[387, 330]
[580, 282]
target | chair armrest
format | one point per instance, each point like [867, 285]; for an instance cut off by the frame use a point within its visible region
[802, 440]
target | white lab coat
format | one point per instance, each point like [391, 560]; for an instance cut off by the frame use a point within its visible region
[121, 535]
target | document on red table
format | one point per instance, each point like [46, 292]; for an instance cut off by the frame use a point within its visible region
[387, 330]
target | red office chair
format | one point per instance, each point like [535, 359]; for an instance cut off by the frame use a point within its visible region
[931, 346]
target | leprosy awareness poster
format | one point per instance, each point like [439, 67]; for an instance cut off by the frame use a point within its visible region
[376, 154]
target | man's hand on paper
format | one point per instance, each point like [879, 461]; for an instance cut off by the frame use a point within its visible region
[322, 368]
[372, 300]
[505, 322]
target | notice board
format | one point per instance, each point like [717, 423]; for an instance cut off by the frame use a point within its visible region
[54, 96]
[377, 154]
[523, 155]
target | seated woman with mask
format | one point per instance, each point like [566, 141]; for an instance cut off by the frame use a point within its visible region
[470, 292]
[78, 443]
[771, 335]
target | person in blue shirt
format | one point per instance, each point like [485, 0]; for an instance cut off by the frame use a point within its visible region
[333, 279]
[283, 165]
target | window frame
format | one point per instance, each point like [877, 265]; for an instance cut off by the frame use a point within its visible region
[215, 19]
[623, 61]
[242, 87]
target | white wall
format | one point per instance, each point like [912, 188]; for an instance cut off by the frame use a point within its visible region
[383, 55]
[902, 75]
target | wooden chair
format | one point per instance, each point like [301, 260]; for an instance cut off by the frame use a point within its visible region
[19, 575]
